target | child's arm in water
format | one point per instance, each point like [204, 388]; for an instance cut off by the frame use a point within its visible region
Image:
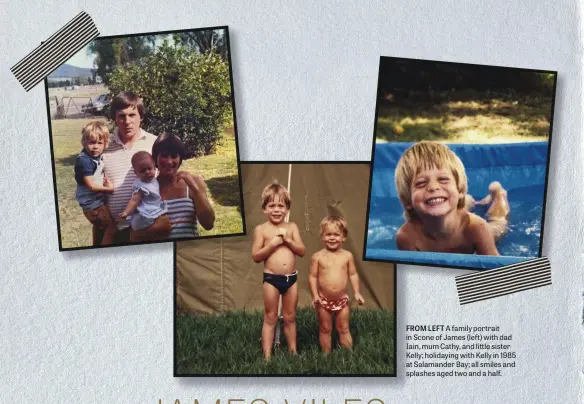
[93, 187]
[313, 280]
[132, 205]
[485, 201]
[259, 251]
[293, 240]
[354, 277]
[482, 237]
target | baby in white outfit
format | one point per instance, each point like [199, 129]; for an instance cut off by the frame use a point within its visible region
[146, 210]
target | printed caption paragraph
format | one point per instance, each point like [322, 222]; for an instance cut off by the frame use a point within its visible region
[458, 351]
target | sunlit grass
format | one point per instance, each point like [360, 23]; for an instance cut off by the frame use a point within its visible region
[491, 120]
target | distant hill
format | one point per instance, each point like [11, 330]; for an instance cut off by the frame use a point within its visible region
[70, 71]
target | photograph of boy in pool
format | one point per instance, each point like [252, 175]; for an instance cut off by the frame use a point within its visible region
[460, 164]
[432, 185]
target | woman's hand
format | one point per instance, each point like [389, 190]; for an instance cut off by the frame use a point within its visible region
[205, 212]
[195, 182]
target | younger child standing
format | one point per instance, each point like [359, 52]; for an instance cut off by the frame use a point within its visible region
[277, 243]
[91, 183]
[330, 269]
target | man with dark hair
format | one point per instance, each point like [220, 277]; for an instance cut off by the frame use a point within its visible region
[127, 110]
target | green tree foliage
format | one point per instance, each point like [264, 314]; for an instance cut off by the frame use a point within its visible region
[203, 41]
[184, 92]
[57, 84]
[113, 52]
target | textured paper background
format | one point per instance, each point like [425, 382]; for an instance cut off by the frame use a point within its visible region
[96, 326]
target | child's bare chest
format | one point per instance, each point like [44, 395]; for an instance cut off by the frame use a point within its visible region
[269, 232]
[333, 263]
[455, 243]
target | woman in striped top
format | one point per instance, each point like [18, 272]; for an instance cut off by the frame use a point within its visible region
[185, 194]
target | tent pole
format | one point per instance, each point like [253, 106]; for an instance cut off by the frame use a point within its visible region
[280, 319]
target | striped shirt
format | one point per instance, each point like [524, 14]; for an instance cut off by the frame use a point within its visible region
[183, 217]
[118, 169]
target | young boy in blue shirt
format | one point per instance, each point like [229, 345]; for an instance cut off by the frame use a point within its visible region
[92, 185]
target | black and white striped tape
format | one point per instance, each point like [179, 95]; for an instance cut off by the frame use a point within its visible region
[55, 51]
[504, 281]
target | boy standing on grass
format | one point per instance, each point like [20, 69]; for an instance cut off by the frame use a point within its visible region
[276, 243]
[432, 185]
[330, 269]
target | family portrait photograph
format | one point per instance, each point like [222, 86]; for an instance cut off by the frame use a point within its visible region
[294, 296]
[460, 163]
[144, 140]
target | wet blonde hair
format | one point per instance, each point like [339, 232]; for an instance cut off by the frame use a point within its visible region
[426, 155]
[95, 130]
[274, 190]
[337, 221]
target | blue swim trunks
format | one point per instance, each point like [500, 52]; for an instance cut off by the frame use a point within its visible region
[281, 282]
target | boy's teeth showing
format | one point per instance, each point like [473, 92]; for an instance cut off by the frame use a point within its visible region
[435, 201]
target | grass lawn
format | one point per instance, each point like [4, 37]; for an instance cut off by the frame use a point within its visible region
[467, 120]
[82, 91]
[230, 344]
[219, 171]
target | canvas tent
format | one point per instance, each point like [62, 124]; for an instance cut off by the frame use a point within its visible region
[218, 275]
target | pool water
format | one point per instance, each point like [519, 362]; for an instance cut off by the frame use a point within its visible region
[521, 240]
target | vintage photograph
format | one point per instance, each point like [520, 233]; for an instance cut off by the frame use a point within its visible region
[144, 140]
[293, 296]
[460, 159]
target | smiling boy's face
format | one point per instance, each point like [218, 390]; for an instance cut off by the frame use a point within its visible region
[276, 210]
[434, 192]
[333, 237]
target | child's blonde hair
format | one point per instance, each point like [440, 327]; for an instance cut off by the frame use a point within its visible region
[333, 220]
[95, 130]
[274, 190]
[426, 155]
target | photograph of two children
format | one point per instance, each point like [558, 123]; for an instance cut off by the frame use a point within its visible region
[288, 268]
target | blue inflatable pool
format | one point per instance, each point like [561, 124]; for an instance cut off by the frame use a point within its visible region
[519, 167]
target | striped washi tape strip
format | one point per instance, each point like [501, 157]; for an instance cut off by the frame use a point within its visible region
[55, 51]
[504, 281]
